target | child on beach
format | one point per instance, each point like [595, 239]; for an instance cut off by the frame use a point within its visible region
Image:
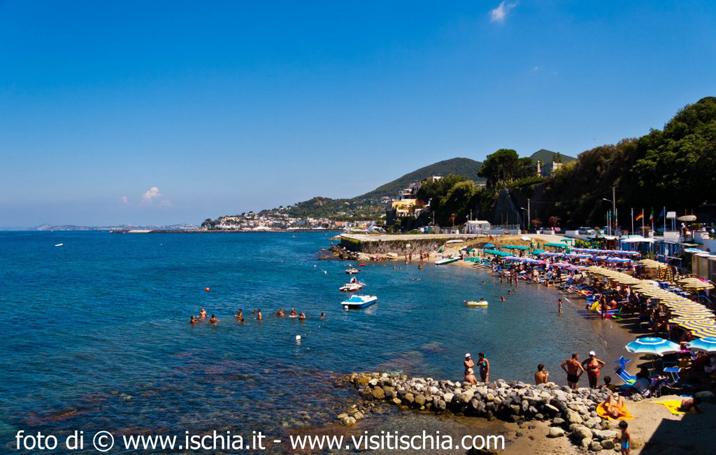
[625, 439]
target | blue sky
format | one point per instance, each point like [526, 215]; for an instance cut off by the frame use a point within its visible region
[165, 112]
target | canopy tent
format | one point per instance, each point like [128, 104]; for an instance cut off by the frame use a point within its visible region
[516, 247]
[489, 245]
[498, 253]
[556, 245]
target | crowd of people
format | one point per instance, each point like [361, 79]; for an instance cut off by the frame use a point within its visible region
[257, 315]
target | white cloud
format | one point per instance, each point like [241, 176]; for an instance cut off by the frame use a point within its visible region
[499, 14]
[124, 200]
[151, 193]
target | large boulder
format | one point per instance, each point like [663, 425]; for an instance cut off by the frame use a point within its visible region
[555, 432]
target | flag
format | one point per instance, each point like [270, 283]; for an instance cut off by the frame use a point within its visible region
[640, 216]
[651, 216]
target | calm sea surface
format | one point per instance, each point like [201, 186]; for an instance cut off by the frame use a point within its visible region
[95, 334]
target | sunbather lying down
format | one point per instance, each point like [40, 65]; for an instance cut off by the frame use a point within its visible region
[613, 407]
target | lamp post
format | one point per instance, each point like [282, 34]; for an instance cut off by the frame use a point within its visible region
[615, 218]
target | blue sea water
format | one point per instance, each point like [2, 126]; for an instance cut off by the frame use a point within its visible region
[95, 334]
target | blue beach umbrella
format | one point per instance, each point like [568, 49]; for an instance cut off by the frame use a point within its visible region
[489, 245]
[652, 345]
[707, 344]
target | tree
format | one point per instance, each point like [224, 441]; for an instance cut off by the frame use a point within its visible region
[503, 167]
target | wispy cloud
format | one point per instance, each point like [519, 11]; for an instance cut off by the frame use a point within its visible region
[124, 200]
[499, 14]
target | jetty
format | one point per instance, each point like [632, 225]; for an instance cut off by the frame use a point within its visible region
[387, 243]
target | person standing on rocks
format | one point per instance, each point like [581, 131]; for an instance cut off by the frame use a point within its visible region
[573, 369]
[468, 363]
[593, 366]
[484, 366]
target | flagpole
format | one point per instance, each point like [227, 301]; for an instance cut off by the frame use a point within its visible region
[632, 221]
[643, 226]
[664, 212]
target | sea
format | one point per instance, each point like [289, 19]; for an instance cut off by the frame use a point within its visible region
[95, 333]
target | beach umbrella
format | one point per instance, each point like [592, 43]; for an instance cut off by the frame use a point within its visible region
[652, 345]
[695, 283]
[489, 245]
[707, 344]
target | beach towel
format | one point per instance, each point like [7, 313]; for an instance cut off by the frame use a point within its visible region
[672, 405]
[624, 414]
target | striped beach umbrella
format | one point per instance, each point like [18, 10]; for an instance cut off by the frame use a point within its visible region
[707, 344]
[652, 345]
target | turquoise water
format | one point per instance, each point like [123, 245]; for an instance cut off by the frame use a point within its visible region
[95, 334]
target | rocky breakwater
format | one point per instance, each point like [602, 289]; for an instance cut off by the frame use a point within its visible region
[570, 413]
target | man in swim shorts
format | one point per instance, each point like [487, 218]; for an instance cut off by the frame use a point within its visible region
[573, 369]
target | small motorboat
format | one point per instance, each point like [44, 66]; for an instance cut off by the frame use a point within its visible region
[476, 303]
[353, 286]
[356, 302]
[59, 244]
[449, 260]
[352, 270]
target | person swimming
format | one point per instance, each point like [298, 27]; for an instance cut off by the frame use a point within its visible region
[240, 315]
[293, 313]
[193, 320]
[202, 314]
[259, 315]
[280, 313]
[213, 319]
[302, 316]
[323, 315]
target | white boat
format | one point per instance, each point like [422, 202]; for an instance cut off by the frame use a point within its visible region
[476, 303]
[359, 301]
[352, 286]
[449, 260]
[59, 244]
[352, 270]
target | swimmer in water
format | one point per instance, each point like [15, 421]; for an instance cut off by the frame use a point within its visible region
[259, 315]
[193, 320]
[240, 315]
[280, 313]
[502, 298]
[202, 314]
[293, 313]
[323, 315]
[213, 319]
[302, 316]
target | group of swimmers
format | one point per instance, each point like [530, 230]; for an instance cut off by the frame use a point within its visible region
[239, 316]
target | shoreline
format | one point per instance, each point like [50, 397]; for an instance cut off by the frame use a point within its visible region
[650, 418]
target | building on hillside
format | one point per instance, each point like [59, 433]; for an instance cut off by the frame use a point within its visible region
[477, 227]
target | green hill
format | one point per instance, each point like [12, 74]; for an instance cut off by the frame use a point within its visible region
[548, 156]
[464, 167]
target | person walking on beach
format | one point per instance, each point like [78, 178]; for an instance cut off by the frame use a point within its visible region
[573, 369]
[484, 365]
[542, 375]
[593, 366]
[559, 305]
[625, 440]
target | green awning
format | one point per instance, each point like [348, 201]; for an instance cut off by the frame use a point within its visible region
[516, 247]
[501, 254]
[556, 245]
